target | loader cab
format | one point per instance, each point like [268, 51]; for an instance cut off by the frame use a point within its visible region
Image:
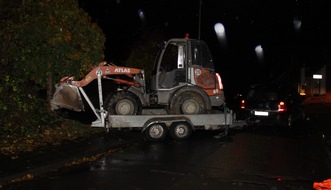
[182, 62]
[170, 66]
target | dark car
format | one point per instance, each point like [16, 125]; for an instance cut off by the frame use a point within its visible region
[272, 104]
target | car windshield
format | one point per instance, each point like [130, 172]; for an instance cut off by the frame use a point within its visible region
[264, 93]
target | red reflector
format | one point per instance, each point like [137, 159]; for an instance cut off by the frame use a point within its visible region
[281, 107]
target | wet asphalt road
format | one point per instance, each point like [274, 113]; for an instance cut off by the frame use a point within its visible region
[262, 158]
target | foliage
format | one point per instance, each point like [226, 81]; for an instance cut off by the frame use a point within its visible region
[53, 36]
[41, 41]
[67, 130]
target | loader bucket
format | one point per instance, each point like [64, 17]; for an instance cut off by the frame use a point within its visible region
[67, 96]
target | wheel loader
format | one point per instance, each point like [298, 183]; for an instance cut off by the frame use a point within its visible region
[183, 81]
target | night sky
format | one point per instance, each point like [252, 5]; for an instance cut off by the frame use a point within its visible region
[292, 33]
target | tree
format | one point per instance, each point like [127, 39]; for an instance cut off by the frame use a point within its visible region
[42, 41]
[144, 50]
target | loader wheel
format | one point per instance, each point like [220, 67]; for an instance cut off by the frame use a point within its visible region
[156, 132]
[180, 130]
[123, 103]
[189, 103]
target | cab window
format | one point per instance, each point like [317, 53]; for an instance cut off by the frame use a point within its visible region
[201, 55]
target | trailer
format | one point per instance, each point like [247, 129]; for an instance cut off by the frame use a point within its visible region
[156, 124]
[184, 86]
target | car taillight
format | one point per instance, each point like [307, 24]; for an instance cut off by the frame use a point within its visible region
[281, 107]
[242, 105]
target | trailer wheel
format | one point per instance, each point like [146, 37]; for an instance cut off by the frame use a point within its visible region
[189, 103]
[156, 132]
[180, 130]
[123, 103]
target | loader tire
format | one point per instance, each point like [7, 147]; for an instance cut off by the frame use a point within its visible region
[189, 103]
[123, 103]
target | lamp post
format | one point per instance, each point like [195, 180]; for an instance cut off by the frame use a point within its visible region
[199, 27]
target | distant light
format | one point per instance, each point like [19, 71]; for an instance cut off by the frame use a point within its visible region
[258, 49]
[219, 29]
[303, 93]
[141, 15]
[297, 24]
[259, 54]
[220, 33]
[316, 76]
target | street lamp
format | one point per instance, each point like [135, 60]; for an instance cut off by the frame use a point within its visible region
[220, 33]
[297, 24]
[141, 15]
[259, 53]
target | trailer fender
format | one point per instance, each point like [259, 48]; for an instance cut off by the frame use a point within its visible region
[168, 121]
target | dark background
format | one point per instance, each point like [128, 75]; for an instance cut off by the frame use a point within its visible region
[273, 24]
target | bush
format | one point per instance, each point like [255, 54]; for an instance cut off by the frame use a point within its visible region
[41, 41]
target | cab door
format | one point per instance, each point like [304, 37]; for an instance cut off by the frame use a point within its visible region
[172, 70]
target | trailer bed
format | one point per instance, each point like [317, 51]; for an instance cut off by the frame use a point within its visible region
[206, 121]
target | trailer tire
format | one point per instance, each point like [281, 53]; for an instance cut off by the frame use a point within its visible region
[188, 102]
[156, 132]
[180, 130]
[123, 103]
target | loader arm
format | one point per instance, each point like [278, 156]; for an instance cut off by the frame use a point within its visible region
[68, 91]
[106, 70]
